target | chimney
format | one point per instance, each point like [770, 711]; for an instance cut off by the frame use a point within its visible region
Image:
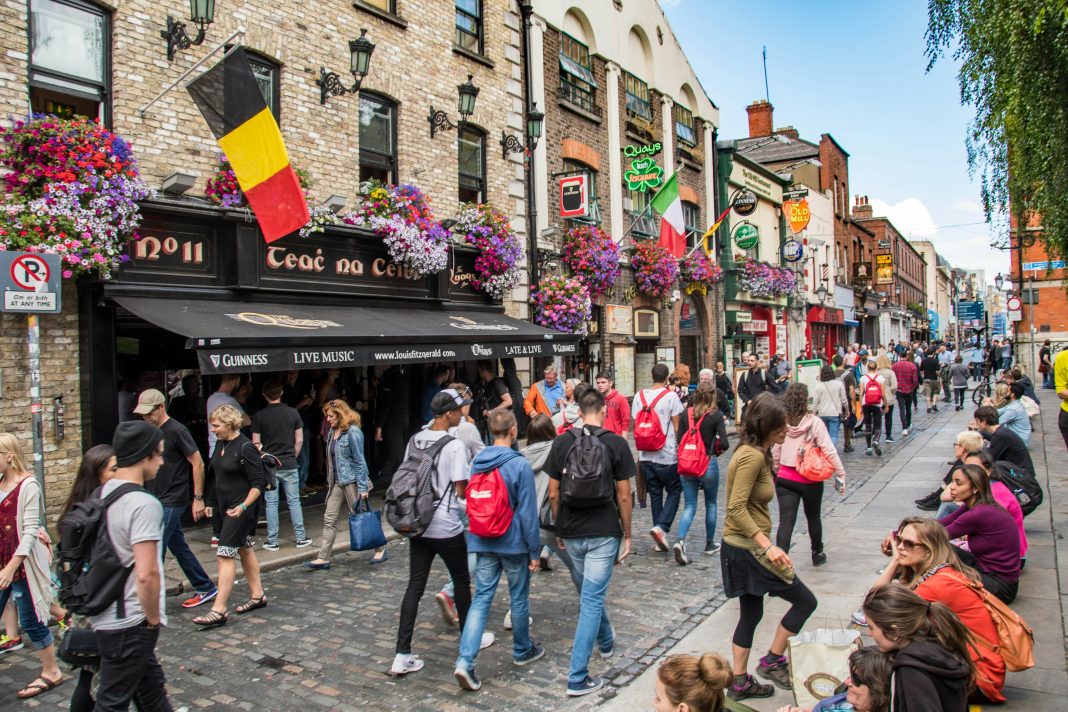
[789, 131]
[861, 209]
[759, 118]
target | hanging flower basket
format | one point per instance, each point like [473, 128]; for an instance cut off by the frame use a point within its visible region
[655, 269]
[562, 304]
[401, 216]
[698, 273]
[593, 257]
[498, 266]
[763, 280]
[72, 191]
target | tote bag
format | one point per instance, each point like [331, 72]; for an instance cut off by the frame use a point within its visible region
[819, 663]
[365, 527]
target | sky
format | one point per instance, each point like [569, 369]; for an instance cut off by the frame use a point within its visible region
[855, 70]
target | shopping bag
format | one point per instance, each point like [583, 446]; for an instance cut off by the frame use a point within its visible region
[365, 527]
[819, 663]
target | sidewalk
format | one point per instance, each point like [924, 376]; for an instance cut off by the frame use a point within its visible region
[854, 526]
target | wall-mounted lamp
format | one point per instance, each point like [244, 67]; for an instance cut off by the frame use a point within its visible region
[999, 282]
[360, 50]
[510, 143]
[335, 203]
[821, 293]
[548, 260]
[439, 120]
[178, 183]
[201, 14]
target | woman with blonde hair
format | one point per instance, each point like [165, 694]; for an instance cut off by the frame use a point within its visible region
[692, 683]
[347, 477]
[885, 369]
[239, 482]
[26, 561]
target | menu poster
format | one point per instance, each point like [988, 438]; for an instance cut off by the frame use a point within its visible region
[623, 360]
[763, 347]
[666, 356]
[643, 369]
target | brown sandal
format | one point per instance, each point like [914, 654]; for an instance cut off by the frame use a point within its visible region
[252, 604]
[212, 619]
[36, 688]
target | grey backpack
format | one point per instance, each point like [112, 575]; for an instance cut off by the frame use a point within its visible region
[410, 500]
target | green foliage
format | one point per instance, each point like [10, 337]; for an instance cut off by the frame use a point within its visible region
[1014, 72]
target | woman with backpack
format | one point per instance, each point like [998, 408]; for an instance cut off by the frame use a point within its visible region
[792, 488]
[26, 561]
[830, 402]
[886, 372]
[932, 667]
[239, 482]
[702, 438]
[874, 399]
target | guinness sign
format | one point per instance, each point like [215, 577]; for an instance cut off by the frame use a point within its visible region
[745, 202]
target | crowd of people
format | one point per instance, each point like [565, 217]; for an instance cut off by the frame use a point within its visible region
[568, 493]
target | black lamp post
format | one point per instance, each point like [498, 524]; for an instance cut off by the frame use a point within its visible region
[999, 282]
[201, 14]
[510, 143]
[360, 51]
[465, 106]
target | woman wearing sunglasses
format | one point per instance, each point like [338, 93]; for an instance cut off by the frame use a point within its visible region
[922, 559]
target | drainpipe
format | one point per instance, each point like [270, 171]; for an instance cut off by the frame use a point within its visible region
[526, 9]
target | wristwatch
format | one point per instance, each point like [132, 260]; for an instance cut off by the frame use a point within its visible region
[198, 497]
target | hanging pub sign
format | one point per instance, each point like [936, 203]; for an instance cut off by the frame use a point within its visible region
[746, 236]
[632, 151]
[792, 251]
[861, 272]
[884, 269]
[797, 213]
[745, 202]
[574, 196]
[644, 174]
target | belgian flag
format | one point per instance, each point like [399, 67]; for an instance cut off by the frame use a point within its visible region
[230, 100]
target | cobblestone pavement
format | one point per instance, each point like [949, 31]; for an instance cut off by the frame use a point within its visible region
[327, 638]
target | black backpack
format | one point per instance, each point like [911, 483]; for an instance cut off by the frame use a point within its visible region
[91, 578]
[586, 480]
[1023, 485]
[270, 463]
[410, 500]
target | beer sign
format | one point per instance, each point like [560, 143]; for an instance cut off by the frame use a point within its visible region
[574, 196]
[797, 213]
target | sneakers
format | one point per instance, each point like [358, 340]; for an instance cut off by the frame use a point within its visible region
[468, 680]
[860, 619]
[819, 558]
[778, 671]
[889, 439]
[749, 688]
[934, 408]
[536, 652]
[904, 432]
[303, 543]
[878, 450]
[587, 686]
[508, 620]
[544, 564]
[10, 645]
[660, 538]
[488, 639]
[404, 664]
[270, 547]
[607, 654]
[848, 448]
[711, 547]
[199, 598]
[868, 452]
[215, 542]
[680, 553]
[448, 609]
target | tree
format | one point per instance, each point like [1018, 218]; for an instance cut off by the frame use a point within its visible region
[1013, 58]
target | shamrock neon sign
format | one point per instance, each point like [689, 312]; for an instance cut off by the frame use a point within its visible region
[644, 174]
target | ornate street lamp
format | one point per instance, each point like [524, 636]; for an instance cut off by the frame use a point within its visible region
[999, 282]
[510, 143]
[360, 51]
[201, 14]
[439, 120]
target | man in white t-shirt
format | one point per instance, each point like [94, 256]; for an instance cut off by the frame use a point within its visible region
[661, 467]
[129, 668]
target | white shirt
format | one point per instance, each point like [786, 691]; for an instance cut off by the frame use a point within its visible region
[668, 407]
[453, 466]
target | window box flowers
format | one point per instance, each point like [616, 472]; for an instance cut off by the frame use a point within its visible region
[498, 266]
[401, 216]
[698, 273]
[72, 191]
[562, 303]
[763, 280]
[655, 269]
[593, 257]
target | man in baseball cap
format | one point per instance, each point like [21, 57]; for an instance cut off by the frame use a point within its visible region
[148, 401]
[447, 401]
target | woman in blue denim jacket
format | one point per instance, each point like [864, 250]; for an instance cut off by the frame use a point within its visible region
[347, 475]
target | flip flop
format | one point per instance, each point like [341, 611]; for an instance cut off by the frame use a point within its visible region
[36, 688]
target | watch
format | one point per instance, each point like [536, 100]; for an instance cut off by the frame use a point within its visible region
[198, 497]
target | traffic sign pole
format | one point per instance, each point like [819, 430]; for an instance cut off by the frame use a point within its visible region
[33, 341]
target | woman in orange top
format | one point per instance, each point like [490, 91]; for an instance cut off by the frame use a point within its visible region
[923, 560]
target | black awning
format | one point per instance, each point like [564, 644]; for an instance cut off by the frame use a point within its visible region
[232, 336]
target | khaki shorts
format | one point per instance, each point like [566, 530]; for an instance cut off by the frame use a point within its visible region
[931, 389]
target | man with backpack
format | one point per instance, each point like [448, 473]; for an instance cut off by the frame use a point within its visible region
[845, 375]
[754, 382]
[875, 400]
[502, 509]
[127, 629]
[656, 412]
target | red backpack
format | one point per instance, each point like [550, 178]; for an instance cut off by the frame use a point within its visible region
[489, 510]
[693, 455]
[649, 436]
[873, 391]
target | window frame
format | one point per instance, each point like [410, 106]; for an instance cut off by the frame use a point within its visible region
[693, 230]
[573, 89]
[639, 101]
[679, 115]
[573, 167]
[391, 159]
[482, 179]
[103, 88]
[479, 23]
[641, 225]
[256, 59]
[391, 5]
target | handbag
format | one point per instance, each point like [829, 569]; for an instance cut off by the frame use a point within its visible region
[812, 462]
[365, 527]
[78, 648]
[819, 663]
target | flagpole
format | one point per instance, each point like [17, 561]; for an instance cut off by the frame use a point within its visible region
[176, 82]
[649, 206]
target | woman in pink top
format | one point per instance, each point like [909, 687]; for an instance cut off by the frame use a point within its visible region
[791, 488]
[1002, 494]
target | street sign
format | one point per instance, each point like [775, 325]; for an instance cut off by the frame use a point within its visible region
[1015, 315]
[970, 311]
[31, 282]
[792, 251]
[1014, 304]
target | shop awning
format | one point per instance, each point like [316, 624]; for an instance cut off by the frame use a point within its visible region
[232, 336]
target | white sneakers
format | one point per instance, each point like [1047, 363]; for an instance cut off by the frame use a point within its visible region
[404, 664]
[487, 640]
[508, 620]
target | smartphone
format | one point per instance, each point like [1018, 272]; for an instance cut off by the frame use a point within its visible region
[839, 484]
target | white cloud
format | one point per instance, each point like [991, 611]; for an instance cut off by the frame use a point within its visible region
[910, 216]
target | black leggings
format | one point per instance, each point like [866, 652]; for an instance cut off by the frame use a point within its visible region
[791, 495]
[752, 610]
[958, 396]
[873, 423]
[454, 553]
[888, 419]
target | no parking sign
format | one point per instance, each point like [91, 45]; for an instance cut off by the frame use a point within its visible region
[31, 282]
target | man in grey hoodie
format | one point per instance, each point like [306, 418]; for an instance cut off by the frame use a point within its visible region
[515, 552]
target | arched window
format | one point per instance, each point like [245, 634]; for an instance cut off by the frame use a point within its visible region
[471, 154]
[70, 58]
[378, 138]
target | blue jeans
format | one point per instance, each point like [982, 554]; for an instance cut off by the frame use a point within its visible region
[665, 490]
[38, 631]
[288, 482]
[174, 538]
[834, 424]
[709, 484]
[946, 508]
[487, 574]
[594, 559]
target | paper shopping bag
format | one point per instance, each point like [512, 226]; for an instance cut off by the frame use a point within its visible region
[819, 663]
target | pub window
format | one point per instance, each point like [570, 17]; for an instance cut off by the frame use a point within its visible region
[684, 125]
[378, 138]
[644, 222]
[576, 74]
[637, 97]
[70, 62]
[266, 73]
[574, 167]
[469, 25]
[691, 217]
[389, 6]
[471, 150]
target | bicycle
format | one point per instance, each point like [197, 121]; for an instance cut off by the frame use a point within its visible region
[984, 389]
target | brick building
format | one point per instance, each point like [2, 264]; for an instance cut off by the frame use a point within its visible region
[1038, 278]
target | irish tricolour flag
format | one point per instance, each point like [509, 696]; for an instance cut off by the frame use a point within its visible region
[672, 226]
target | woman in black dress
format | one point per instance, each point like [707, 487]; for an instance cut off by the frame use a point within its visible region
[239, 482]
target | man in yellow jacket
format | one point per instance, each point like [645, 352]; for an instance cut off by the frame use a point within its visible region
[546, 396]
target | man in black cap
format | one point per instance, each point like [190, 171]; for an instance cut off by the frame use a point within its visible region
[128, 664]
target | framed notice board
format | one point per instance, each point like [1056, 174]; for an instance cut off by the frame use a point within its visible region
[808, 372]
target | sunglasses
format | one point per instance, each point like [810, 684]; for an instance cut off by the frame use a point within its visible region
[908, 544]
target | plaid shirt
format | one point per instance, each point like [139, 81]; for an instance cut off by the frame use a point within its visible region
[908, 376]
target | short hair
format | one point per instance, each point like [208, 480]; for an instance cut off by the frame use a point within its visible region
[872, 365]
[540, 429]
[579, 388]
[500, 422]
[970, 440]
[1017, 374]
[485, 366]
[591, 401]
[827, 373]
[551, 368]
[660, 373]
[272, 390]
[226, 415]
[837, 360]
[1017, 390]
[606, 375]
[706, 372]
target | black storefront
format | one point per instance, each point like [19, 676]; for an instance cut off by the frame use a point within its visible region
[204, 293]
